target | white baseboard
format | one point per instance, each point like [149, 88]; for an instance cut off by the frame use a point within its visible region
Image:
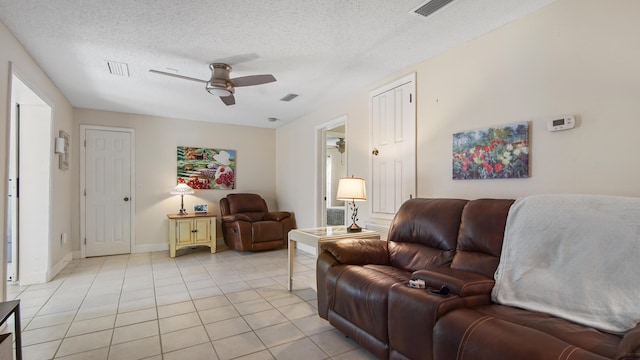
[55, 270]
[144, 248]
[150, 248]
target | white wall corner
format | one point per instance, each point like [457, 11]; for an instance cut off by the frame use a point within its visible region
[32, 278]
[55, 270]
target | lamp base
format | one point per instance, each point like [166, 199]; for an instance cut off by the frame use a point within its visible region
[182, 212]
[354, 228]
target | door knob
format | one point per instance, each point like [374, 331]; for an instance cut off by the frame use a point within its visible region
[375, 152]
[126, 198]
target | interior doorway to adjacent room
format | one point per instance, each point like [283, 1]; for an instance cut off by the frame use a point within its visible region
[29, 172]
[332, 165]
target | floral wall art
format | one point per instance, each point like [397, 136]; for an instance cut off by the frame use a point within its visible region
[203, 168]
[492, 153]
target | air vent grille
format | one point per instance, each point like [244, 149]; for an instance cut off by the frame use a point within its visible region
[289, 97]
[118, 68]
[430, 7]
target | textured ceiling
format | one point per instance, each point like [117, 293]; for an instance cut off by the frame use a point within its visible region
[319, 49]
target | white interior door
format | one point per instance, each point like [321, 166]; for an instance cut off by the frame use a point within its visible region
[107, 192]
[393, 139]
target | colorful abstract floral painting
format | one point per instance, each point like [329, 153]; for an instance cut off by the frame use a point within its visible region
[493, 153]
[202, 168]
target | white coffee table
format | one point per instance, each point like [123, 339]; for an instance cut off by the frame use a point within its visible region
[313, 237]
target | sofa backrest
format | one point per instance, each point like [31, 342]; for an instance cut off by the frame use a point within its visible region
[243, 203]
[480, 236]
[424, 232]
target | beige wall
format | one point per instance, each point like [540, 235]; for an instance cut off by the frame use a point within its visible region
[156, 140]
[572, 57]
[37, 80]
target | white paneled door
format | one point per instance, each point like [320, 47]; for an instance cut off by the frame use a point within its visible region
[107, 192]
[393, 138]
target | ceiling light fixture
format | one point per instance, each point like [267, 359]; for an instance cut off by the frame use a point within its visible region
[219, 87]
[218, 91]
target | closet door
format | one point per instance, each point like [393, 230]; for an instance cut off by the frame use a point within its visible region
[393, 139]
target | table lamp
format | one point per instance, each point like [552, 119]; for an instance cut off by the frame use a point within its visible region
[182, 190]
[352, 189]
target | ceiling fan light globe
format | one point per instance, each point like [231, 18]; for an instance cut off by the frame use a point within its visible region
[219, 88]
[218, 91]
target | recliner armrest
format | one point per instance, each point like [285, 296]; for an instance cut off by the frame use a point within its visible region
[460, 282]
[277, 215]
[629, 347]
[235, 217]
[358, 251]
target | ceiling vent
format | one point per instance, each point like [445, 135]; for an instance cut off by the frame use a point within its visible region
[430, 7]
[289, 97]
[118, 68]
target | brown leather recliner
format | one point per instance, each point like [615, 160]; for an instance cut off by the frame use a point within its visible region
[248, 225]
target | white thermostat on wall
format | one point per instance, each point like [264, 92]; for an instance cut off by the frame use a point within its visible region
[563, 122]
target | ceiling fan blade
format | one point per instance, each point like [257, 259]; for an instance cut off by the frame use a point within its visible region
[238, 59]
[177, 76]
[228, 100]
[252, 80]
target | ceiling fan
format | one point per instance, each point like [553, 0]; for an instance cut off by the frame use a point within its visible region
[220, 84]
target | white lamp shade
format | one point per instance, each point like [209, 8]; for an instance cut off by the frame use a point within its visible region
[351, 189]
[182, 189]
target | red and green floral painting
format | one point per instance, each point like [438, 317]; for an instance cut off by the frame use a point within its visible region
[493, 153]
[203, 168]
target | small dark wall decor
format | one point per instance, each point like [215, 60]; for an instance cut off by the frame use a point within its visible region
[492, 153]
[203, 168]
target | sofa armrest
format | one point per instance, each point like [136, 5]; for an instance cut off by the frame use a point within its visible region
[235, 217]
[459, 282]
[629, 347]
[277, 215]
[358, 251]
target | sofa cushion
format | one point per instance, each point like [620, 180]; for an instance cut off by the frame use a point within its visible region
[480, 238]
[413, 257]
[501, 332]
[430, 223]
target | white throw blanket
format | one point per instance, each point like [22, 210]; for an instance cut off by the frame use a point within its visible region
[573, 256]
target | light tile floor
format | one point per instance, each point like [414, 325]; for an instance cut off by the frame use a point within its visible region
[229, 305]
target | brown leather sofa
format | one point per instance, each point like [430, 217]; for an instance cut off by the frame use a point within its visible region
[362, 291]
[247, 224]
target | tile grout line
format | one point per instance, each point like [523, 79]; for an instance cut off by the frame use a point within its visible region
[79, 307]
[248, 270]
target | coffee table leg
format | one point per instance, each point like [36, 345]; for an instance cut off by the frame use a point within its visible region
[292, 252]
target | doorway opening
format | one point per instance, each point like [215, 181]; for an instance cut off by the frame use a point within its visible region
[332, 164]
[30, 152]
